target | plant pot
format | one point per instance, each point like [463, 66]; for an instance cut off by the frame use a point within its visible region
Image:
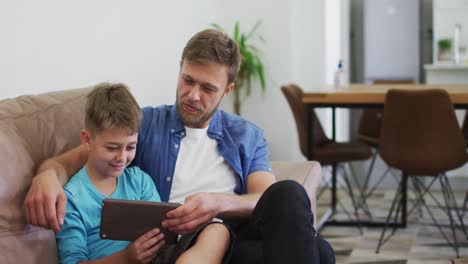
[444, 55]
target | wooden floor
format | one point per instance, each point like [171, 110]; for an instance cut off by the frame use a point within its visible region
[421, 242]
[460, 261]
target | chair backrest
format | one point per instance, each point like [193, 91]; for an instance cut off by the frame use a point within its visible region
[371, 119]
[465, 128]
[369, 126]
[293, 94]
[420, 133]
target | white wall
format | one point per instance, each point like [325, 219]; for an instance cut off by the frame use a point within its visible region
[53, 45]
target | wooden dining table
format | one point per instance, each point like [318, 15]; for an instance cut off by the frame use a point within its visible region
[368, 95]
[365, 96]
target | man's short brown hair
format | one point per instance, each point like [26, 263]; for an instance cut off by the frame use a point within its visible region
[213, 46]
[111, 105]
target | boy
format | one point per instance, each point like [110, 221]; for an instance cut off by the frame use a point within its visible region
[112, 122]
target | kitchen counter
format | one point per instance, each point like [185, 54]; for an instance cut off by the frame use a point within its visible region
[446, 66]
[446, 73]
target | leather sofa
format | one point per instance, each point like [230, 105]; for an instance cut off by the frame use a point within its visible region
[36, 127]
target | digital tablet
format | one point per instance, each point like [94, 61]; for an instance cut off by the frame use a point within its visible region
[129, 219]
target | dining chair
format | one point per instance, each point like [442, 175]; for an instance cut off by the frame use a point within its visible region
[324, 150]
[465, 136]
[420, 136]
[368, 132]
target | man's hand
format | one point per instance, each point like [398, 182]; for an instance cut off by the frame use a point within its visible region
[197, 210]
[45, 202]
[145, 248]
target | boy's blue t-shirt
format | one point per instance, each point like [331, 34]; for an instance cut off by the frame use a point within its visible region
[78, 239]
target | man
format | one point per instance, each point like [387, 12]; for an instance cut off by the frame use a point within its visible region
[214, 162]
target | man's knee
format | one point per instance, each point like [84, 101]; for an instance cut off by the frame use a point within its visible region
[287, 193]
[283, 199]
[326, 252]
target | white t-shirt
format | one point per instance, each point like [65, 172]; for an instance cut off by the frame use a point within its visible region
[200, 167]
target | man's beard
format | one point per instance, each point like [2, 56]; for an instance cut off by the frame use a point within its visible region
[194, 121]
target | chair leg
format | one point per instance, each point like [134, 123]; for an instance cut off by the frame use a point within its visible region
[335, 201]
[374, 187]
[371, 168]
[451, 197]
[465, 203]
[389, 170]
[463, 211]
[328, 185]
[343, 208]
[416, 184]
[420, 188]
[334, 187]
[452, 201]
[417, 187]
[363, 196]
[445, 190]
[448, 206]
[362, 201]
[404, 199]
[396, 200]
[353, 200]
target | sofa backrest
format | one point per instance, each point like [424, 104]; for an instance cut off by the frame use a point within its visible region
[32, 129]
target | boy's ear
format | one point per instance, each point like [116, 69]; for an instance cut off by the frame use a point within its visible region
[85, 137]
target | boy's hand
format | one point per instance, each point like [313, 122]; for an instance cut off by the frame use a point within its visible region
[145, 248]
[45, 202]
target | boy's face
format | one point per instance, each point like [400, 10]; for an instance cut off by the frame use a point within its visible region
[109, 151]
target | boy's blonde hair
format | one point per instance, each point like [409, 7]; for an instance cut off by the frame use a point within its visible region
[111, 105]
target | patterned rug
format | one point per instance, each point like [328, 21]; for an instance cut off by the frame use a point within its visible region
[420, 242]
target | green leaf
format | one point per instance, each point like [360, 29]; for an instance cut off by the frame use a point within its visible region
[217, 26]
[249, 86]
[252, 47]
[251, 67]
[261, 76]
[236, 31]
[242, 42]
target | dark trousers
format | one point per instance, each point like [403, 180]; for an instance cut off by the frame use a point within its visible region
[280, 230]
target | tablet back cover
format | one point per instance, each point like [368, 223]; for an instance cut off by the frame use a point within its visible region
[129, 219]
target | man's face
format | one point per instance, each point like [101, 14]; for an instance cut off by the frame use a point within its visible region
[110, 151]
[200, 89]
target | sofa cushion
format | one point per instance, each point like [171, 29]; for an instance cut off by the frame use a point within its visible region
[308, 174]
[32, 129]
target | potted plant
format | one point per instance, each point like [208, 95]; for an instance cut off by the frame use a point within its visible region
[251, 65]
[445, 47]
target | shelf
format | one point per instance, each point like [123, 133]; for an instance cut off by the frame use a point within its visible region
[446, 66]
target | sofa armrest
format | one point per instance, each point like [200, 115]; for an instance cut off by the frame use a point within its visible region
[307, 173]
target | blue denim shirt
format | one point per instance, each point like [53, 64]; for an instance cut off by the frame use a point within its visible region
[240, 142]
